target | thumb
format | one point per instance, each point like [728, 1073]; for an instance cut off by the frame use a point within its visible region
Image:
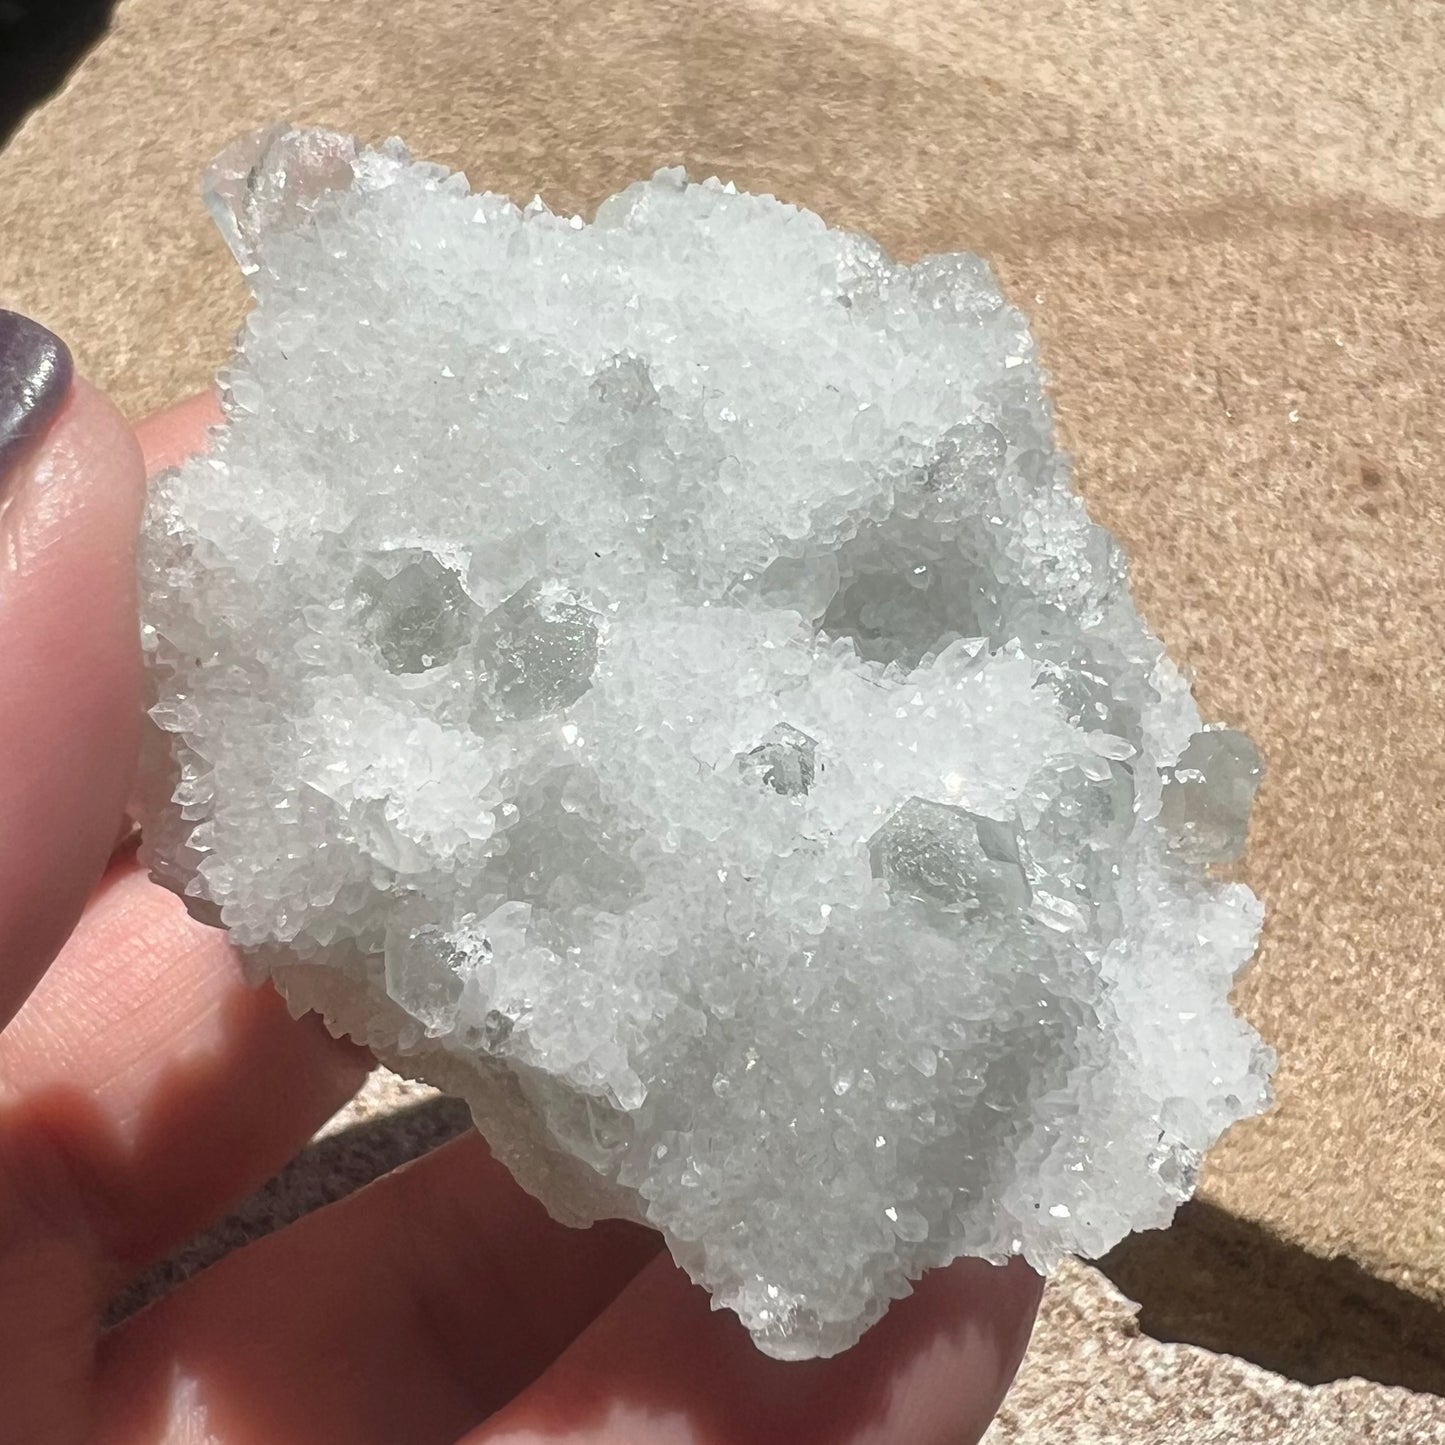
[71, 488]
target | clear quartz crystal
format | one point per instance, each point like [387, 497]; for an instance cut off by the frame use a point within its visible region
[1207, 795]
[785, 761]
[654, 678]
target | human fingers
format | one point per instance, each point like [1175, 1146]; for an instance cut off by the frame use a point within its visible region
[71, 487]
[168, 437]
[145, 1088]
[409, 1311]
[660, 1367]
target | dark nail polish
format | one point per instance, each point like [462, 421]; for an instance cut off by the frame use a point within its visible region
[35, 373]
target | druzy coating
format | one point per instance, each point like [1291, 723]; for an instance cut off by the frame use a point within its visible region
[654, 679]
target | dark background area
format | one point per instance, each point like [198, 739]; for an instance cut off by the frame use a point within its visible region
[41, 42]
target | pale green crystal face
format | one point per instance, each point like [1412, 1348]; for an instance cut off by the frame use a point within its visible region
[654, 678]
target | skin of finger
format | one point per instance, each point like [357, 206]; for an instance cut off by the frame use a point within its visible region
[168, 437]
[409, 1311]
[70, 684]
[165, 1086]
[660, 1367]
[48, 1304]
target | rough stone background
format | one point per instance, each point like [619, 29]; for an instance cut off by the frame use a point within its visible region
[1227, 223]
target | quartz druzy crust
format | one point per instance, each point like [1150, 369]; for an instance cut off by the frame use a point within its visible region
[653, 678]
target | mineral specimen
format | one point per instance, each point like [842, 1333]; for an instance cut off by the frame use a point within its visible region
[652, 678]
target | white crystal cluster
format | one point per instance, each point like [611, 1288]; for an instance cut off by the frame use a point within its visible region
[653, 678]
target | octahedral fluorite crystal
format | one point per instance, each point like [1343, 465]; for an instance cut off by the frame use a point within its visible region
[653, 678]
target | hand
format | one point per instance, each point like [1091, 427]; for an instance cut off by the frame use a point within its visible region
[145, 1090]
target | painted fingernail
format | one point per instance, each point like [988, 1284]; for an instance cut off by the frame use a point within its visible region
[35, 373]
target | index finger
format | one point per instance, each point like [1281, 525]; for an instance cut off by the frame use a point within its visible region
[659, 1366]
[70, 679]
[168, 437]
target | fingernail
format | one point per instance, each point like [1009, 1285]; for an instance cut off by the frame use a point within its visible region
[35, 373]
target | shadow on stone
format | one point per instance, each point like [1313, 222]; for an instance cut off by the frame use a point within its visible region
[41, 42]
[1214, 1280]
